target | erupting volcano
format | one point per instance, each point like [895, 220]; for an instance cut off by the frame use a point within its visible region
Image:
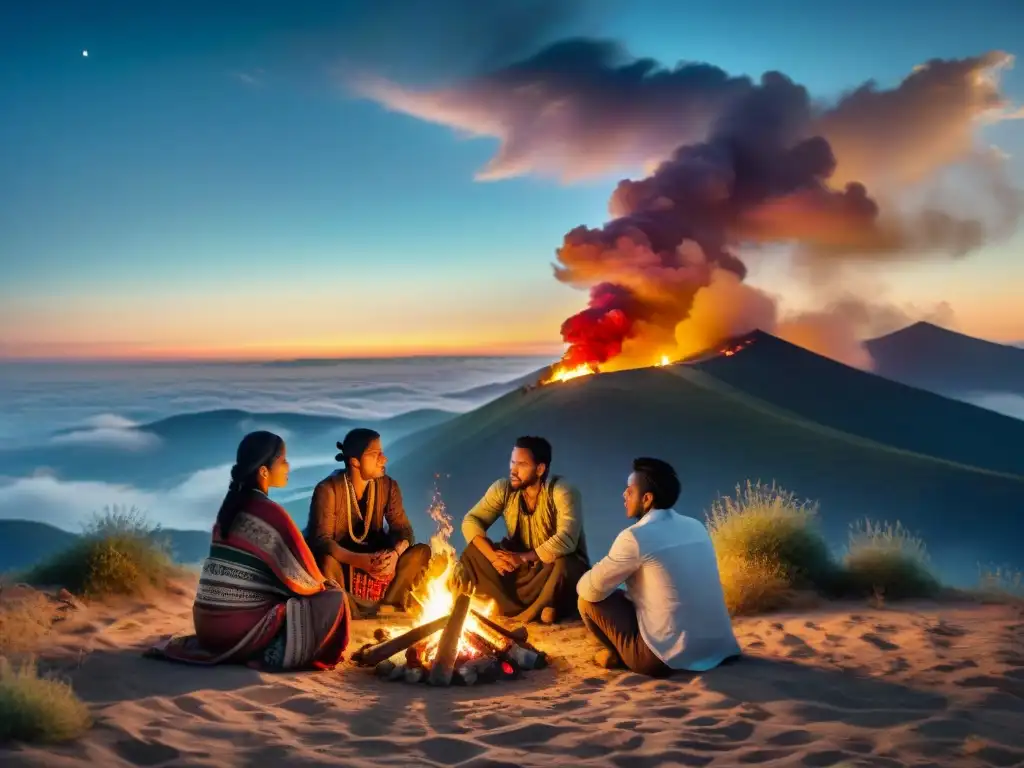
[743, 169]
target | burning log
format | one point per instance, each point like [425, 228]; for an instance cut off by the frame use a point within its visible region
[370, 657]
[508, 650]
[448, 647]
[386, 667]
[518, 635]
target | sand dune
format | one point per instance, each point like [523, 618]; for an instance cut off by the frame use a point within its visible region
[854, 686]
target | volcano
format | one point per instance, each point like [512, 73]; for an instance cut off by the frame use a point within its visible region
[944, 361]
[718, 436]
[827, 393]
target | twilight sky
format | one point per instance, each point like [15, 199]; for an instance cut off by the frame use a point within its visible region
[302, 179]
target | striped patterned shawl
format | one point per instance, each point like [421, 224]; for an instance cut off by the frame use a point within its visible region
[262, 599]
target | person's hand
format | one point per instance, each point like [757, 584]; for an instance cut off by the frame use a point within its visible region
[363, 561]
[384, 563]
[504, 561]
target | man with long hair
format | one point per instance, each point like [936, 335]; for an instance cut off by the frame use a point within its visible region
[530, 574]
[346, 528]
[672, 614]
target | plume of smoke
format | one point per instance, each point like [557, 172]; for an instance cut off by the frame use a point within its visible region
[737, 164]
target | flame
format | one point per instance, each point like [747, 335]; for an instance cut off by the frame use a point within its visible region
[436, 596]
[561, 373]
[665, 360]
[730, 351]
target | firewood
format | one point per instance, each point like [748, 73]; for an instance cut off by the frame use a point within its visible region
[413, 658]
[398, 673]
[384, 668]
[377, 653]
[414, 674]
[380, 634]
[466, 675]
[448, 646]
[484, 646]
[487, 669]
[519, 635]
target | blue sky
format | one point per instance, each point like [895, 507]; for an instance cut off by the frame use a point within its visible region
[202, 179]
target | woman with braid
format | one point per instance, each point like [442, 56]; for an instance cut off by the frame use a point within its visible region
[346, 532]
[262, 600]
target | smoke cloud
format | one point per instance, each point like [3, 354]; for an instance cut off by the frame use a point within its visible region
[737, 165]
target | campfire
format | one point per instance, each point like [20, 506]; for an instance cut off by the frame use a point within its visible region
[454, 640]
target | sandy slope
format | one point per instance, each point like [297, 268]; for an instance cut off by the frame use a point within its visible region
[927, 685]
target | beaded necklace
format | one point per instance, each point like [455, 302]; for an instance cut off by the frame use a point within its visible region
[351, 500]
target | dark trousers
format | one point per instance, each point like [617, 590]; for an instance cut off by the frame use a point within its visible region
[530, 588]
[411, 565]
[613, 622]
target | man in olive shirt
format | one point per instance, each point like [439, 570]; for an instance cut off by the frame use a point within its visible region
[532, 572]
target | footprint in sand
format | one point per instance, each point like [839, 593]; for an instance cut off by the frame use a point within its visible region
[449, 751]
[756, 756]
[825, 758]
[527, 735]
[794, 738]
[879, 642]
[144, 753]
[800, 648]
[306, 706]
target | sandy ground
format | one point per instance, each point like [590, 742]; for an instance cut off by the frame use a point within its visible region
[927, 684]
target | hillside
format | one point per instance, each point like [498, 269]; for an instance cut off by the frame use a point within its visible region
[24, 543]
[717, 438]
[927, 356]
[834, 395]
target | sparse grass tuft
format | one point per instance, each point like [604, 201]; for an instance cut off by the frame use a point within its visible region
[1001, 582]
[25, 619]
[889, 562]
[753, 585]
[38, 709]
[118, 554]
[768, 546]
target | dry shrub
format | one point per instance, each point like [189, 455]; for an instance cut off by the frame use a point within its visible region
[118, 554]
[753, 585]
[38, 709]
[769, 547]
[1001, 583]
[887, 561]
[25, 619]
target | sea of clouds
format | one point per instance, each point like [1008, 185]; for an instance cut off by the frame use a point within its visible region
[56, 406]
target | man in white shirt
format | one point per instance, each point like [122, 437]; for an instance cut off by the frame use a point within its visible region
[672, 615]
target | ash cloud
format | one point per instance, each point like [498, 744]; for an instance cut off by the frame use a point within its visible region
[737, 165]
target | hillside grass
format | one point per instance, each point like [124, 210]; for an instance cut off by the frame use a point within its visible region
[119, 554]
[771, 552]
[33, 707]
[38, 708]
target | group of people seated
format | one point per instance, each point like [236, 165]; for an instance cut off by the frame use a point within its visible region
[275, 597]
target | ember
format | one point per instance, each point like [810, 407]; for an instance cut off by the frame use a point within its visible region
[454, 640]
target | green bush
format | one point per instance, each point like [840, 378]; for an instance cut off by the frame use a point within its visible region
[887, 561]
[38, 709]
[118, 554]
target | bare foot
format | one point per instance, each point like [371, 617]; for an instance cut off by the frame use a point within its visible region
[607, 659]
[547, 616]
